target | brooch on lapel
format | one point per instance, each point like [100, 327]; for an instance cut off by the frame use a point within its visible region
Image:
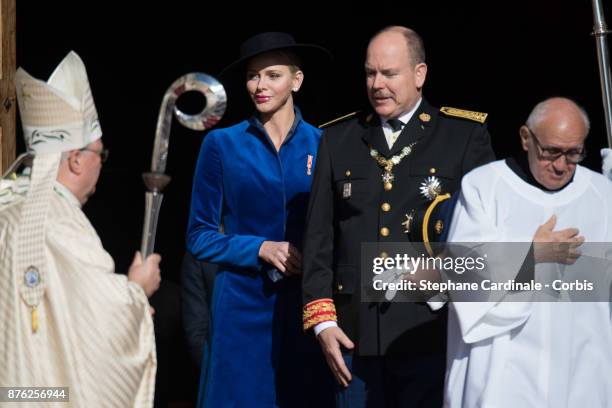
[309, 165]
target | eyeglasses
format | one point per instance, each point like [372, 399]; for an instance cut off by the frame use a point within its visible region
[102, 153]
[572, 156]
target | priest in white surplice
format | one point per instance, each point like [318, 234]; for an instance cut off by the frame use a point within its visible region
[534, 354]
[66, 319]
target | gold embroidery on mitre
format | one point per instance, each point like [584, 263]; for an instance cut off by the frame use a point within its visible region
[479, 117]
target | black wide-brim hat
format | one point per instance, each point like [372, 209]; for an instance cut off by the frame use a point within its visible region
[272, 41]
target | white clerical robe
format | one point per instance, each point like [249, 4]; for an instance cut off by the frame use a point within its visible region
[95, 331]
[530, 354]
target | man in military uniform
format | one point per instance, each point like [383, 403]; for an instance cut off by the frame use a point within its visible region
[375, 172]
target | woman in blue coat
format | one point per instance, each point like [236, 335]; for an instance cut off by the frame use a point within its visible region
[254, 179]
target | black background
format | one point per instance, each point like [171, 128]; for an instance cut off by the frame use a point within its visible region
[495, 57]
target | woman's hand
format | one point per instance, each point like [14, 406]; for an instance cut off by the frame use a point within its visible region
[283, 256]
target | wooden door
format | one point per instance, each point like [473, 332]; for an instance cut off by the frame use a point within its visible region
[8, 103]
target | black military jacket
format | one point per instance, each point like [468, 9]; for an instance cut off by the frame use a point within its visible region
[338, 220]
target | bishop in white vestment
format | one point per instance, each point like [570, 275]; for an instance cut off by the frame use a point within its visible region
[66, 319]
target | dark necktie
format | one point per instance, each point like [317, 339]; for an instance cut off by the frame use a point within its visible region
[395, 124]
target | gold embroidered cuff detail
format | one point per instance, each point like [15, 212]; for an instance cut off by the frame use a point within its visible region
[317, 311]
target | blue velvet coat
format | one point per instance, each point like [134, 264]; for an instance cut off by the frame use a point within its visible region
[257, 194]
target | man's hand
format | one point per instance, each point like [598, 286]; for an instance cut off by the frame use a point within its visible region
[330, 340]
[556, 246]
[283, 256]
[146, 274]
[606, 163]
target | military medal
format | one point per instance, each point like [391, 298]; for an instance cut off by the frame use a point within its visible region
[346, 187]
[408, 222]
[388, 178]
[387, 164]
[346, 190]
[431, 187]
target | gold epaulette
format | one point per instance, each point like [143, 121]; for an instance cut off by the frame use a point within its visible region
[333, 121]
[318, 311]
[465, 114]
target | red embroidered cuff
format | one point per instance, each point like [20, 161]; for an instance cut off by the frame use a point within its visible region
[317, 311]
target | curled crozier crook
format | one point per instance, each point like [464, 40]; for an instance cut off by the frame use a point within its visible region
[156, 180]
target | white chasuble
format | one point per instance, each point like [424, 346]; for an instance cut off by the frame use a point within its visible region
[95, 333]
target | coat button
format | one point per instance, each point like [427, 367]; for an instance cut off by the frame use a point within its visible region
[340, 287]
[385, 207]
[384, 255]
[347, 173]
[432, 170]
[384, 231]
[388, 186]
